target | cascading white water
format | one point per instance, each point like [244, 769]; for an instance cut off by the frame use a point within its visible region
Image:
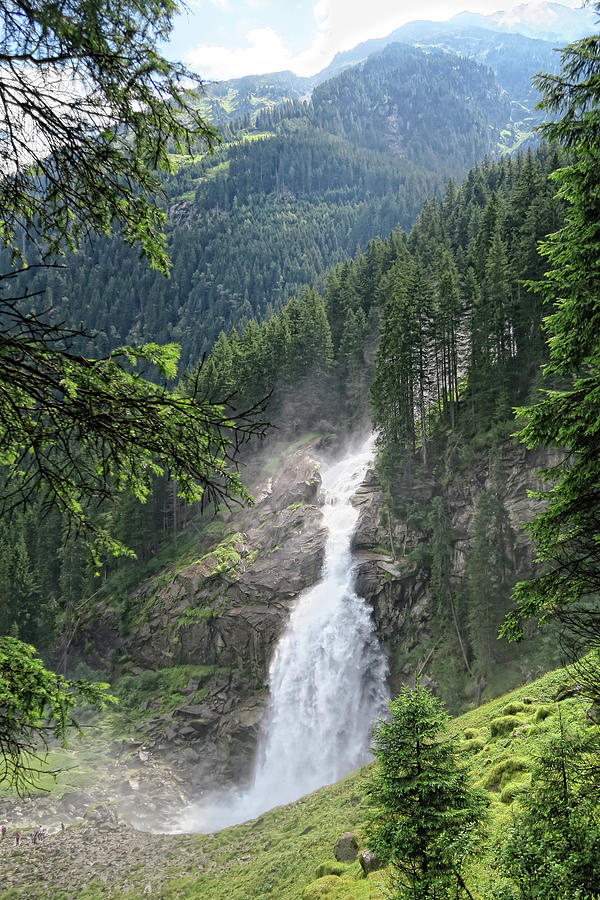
[327, 677]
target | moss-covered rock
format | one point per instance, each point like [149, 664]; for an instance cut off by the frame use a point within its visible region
[323, 887]
[505, 771]
[503, 725]
[474, 745]
[513, 790]
[330, 868]
[542, 712]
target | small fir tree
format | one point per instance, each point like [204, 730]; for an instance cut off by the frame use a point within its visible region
[425, 817]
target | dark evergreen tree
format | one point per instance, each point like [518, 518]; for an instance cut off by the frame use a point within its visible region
[567, 532]
[552, 851]
[424, 816]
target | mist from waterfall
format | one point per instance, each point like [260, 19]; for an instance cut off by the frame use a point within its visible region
[327, 678]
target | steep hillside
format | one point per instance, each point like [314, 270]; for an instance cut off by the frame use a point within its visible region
[441, 528]
[241, 98]
[513, 58]
[276, 206]
[288, 852]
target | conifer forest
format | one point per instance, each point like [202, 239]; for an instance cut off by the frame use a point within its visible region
[299, 461]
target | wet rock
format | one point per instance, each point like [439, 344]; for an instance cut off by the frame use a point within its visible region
[106, 813]
[226, 611]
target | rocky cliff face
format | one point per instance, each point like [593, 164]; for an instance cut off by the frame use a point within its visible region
[392, 578]
[224, 611]
[222, 614]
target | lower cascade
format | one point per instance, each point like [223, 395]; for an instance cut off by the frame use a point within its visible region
[327, 678]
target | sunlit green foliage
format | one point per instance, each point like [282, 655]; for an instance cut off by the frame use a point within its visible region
[36, 706]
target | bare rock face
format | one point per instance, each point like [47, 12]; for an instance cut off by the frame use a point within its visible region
[389, 575]
[225, 611]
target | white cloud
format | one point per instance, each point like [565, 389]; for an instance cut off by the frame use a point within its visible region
[265, 52]
[342, 24]
[339, 25]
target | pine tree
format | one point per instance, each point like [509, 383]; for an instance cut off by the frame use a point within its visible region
[447, 316]
[424, 816]
[351, 354]
[393, 389]
[552, 851]
[488, 576]
[567, 532]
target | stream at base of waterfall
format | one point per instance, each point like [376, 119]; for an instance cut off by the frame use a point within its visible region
[327, 678]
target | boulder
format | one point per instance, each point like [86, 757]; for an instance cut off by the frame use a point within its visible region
[369, 862]
[593, 715]
[346, 847]
[569, 692]
[105, 812]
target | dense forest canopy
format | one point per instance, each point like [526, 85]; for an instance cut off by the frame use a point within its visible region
[287, 196]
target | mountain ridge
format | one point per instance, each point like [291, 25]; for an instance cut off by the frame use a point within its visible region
[228, 99]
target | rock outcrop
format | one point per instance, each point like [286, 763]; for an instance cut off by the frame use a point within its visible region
[223, 611]
[390, 576]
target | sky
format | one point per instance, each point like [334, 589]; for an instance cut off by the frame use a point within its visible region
[222, 39]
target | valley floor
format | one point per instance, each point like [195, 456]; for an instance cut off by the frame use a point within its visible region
[100, 859]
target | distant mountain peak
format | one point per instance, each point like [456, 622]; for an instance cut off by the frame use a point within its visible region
[537, 19]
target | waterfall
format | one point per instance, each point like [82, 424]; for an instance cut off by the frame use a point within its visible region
[327, 678]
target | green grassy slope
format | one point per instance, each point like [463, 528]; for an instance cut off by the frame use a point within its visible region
[287, 853]
[279, 854]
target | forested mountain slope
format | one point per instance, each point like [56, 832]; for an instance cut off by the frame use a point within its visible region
[226, 101]
[514, 58]
[438, 321]
[443, 331]
[286, 199]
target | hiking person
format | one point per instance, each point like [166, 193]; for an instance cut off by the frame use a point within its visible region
[3, 832]
[17, 838]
